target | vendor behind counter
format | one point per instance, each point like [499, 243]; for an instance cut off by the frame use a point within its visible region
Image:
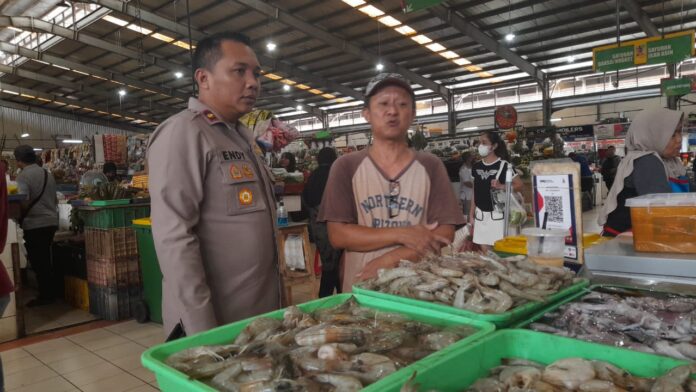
[651, 165]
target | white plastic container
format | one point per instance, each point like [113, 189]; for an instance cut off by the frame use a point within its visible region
[545, 247]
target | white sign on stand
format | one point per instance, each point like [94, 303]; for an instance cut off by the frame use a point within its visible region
[557, 196]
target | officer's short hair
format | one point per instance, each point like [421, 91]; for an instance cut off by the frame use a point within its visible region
[208, 51]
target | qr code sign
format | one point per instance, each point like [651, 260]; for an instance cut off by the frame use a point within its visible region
[554, 207]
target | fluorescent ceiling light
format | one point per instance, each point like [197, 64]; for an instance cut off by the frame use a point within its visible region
[139, 29]
[24, 135]
[571, 59]
[299, 107]
[470, 129]
[484, 74]
[178, 74]
[354, 3]
[286, 87]
[462, 61]
[115, 20]
[422, 39]
[316, 91]
[389, 21]
[449, 55]
[509, 37]
[38, 149]
[371, 11]
[435, 47]
[405, 30]
[162, 37]
[271, 46]
[273, 76]
[556, 119]
[302, 87]
[379, 66]
[122, 92]
[72, 141]
[473, 68]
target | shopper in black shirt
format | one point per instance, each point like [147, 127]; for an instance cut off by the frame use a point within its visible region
[490, 174]
[311, 198]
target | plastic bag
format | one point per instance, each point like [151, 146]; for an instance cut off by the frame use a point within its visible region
[518, 215]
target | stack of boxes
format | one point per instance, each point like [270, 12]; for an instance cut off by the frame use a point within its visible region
[113, 268]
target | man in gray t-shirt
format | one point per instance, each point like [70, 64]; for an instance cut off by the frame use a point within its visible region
[40, 219]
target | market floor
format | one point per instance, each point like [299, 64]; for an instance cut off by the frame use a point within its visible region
[88, 358]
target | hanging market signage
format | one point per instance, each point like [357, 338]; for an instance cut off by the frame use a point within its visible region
[415, 5]
[575, 133]
[671, 49]
[675, 87]
[610, 131]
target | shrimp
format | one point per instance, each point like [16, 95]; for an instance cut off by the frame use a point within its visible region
[446, 272]
[225, 380]
[322, 334]
[599, 386]
[515, 292]
[372, 367]
[501, 299]
[433, 285]
[331, 352]
[272, 386]
[674, 380]
[387, 275]
[438, 340]
[487, 385]
[258, 329]
[519, 376]
[340, 382]
[569, 373]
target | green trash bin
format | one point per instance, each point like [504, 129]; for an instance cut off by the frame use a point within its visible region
[151, 306]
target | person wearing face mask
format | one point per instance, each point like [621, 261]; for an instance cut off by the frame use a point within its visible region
[651, 165]
[213, 207]
[489, 173]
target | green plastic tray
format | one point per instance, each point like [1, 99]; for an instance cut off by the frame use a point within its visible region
[500, 319]
[171, 380]
[458, 369]
[107, 203]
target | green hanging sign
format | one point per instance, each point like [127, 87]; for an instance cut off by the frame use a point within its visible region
[669, 50]
[672, 49]
[675, 87]
[416, 5]
[614, 59]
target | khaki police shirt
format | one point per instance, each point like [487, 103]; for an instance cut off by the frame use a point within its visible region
[212, 221]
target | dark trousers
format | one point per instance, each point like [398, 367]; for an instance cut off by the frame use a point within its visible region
[330, 280]
[38, 243]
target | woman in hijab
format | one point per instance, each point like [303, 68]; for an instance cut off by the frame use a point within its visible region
[651, 165]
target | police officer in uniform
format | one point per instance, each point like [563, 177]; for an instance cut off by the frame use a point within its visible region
[212, 198]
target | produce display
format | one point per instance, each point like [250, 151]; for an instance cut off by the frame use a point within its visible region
[342, 348]
[471, 281]
[641, 322]
[574, 374]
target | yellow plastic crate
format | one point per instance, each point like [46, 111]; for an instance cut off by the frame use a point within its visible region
[518, 244]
